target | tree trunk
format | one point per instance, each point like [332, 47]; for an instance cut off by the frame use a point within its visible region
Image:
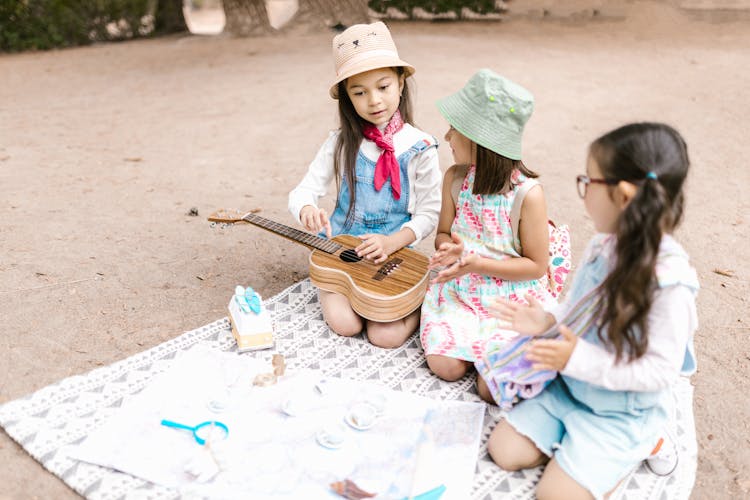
[246, 18]
[349, 12]
[317, 14]
[169, 17]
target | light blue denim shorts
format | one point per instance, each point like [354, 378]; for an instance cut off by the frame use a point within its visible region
[596, 450]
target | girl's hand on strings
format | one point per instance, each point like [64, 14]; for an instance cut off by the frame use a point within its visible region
[529, 319]
[374, 247]
[448, 253]
[315, 219]
[552, 354]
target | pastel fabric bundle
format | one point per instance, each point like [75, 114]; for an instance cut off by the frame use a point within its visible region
[505, 369]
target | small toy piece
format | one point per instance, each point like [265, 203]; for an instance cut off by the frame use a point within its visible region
[217, 405]
[291, 407]
[361, 416]
[264, 379]
[375, 398]
[250, 321]
[247, 299]
[279, 365]
[322, 387]
[270, 378]
[349, 489]
[332, 436]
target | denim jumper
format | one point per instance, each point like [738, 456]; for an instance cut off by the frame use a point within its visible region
[375, 211]
[599, 434]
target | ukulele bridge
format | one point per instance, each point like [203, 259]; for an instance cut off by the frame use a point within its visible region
[387, 269]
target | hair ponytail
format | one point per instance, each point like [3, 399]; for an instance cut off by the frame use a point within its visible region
[653, 157]
[630, 286]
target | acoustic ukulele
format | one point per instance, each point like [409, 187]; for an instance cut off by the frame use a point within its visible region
[378, 292]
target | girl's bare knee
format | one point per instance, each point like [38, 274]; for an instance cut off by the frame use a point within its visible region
[450, 369]
[344, 323]
[339, 315]
[511, 450]
[544, 491]
[484, 391]
[504, 459]
[501, 455]
[387, 335]
[556, 484]
[345, 328]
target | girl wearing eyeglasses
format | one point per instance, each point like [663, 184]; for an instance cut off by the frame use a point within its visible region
[634, 302]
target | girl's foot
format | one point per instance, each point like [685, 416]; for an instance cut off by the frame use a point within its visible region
[663, 460]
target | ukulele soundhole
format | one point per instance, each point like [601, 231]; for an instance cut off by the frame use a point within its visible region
[350, 255]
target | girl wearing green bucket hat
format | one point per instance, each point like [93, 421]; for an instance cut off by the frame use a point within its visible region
[479, 258]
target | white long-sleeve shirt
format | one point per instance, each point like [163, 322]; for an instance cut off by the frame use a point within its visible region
[424, 173]
[671, 323]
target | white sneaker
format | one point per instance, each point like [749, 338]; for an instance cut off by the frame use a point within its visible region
[663, 460]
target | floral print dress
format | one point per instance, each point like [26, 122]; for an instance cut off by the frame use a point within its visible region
[455, 315]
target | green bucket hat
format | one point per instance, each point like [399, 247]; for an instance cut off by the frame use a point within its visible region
[491, 111]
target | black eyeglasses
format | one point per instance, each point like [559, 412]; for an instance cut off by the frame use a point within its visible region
[583, 181]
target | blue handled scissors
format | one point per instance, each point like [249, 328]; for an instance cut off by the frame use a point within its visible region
[194, 430]
[247, 299]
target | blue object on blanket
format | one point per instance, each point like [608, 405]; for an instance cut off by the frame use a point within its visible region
[211, 424]
[432, 494]
[247, 299]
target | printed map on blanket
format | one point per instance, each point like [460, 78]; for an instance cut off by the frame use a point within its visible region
[47, 422]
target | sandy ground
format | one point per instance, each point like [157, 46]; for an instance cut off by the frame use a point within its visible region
[105, 149]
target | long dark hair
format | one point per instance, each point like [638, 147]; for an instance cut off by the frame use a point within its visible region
[494, 170]
[348, 141]
[653, 156]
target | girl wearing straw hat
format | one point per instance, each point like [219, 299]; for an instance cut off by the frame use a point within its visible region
[386, 170]
[475, 245]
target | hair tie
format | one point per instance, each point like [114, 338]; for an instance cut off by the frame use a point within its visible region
[651, 175]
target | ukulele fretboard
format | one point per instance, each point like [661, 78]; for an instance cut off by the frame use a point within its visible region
[302, 237]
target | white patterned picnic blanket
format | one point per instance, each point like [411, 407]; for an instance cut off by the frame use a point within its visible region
[61, 414]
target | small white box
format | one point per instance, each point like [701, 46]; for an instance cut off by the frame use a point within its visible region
[251, 331]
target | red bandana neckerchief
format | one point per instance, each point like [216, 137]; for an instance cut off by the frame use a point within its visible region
[387, 165]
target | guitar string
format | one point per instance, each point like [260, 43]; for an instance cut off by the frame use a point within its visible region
[295, 234]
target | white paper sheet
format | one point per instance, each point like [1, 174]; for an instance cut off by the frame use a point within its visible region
[270, 454]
